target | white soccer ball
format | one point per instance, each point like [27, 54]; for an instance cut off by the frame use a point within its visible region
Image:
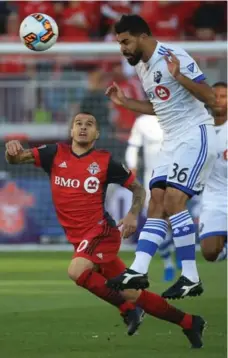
[39, 32]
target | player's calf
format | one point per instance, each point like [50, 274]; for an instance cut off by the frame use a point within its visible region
[212, 246]
[156, 306]
[184, 231]
[152, 235]
[84, 273]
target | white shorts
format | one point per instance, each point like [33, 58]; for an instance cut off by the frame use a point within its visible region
[187, 162]
[146, 182]
[212, 223]
[213, 217]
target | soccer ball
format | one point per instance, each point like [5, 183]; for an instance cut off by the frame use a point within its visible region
[39, 32]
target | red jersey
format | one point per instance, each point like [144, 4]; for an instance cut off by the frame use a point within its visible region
[113, 10]
[30, 7]
[73, 32]
[78, 185]
[122, 117]
[167, 21]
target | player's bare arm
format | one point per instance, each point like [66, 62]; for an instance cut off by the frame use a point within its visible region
[129, 222]
[115, 93]
[16, 154]
[139, 196]
[200, 90]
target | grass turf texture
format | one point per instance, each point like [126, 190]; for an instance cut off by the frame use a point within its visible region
[43, 314]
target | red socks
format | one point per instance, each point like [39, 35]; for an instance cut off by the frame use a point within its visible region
[157, 306]
[113, 268]
[95, 283]
[152, 303]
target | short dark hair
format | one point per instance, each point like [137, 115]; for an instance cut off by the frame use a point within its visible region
[219, 84]
[134, 24]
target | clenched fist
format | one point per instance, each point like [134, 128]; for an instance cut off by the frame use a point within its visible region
[13, 148]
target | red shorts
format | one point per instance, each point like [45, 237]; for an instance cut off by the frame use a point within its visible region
[99, 247]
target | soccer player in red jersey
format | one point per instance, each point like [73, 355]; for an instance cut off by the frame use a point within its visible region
[79, 176]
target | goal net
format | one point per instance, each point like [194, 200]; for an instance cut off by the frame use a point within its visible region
[39, 94]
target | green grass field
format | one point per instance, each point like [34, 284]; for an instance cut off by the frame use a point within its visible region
[43, 314]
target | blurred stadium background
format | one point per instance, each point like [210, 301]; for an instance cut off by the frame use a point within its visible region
[41, 312]
[39, 93]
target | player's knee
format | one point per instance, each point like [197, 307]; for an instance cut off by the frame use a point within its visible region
[131, 295]
[210, 250]
[156, 204]
[210, 255]
[174, 201]
[73, 273]
[77, 267]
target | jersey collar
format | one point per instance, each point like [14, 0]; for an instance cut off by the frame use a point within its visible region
[84, 154]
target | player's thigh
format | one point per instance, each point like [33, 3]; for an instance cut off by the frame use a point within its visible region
[157, 185]
[156, 202]
[192, 160]
[100, 249]
[77, 266]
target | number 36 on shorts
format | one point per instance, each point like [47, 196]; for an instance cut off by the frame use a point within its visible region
[179, 174]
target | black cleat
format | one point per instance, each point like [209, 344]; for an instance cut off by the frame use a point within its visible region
[133, 319]
[129, 279]
[195, 334]
[182, 288]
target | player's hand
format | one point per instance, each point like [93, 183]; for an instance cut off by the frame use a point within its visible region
[115, 93]
[128, 225]
[14, 147]
[173, 64]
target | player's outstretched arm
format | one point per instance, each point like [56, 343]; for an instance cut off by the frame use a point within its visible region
[115, 93]
[200, 90]
[16, 154]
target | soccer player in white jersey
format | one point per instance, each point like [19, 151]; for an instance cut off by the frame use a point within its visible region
[147, 134]
[213, 218]
[177, 94]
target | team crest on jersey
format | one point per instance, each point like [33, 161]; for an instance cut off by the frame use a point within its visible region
[157, 76]
[94, 168]
[192, 68]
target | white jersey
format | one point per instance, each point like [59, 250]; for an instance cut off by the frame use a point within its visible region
[145, 133]
[217, 181]
[177, 110]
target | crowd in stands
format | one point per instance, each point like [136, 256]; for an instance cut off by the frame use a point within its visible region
[89, 20]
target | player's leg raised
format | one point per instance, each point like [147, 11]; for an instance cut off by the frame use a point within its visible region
[86, 270]
[151, 236]
[156, 306]
[191, 164]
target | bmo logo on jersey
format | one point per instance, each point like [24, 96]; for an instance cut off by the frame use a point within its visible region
[162, 92]
[91, 185]
[68, 183]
